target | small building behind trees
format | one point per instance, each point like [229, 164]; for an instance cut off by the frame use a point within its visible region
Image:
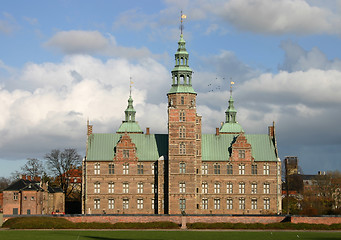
[30, 196]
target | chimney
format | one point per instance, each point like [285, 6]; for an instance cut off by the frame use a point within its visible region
[217, 131]
[271, 131]
[89, 130]
[29, 178]
[147, 131]
[23, 177]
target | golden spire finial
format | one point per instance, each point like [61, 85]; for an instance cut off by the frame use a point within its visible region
[231, 83]
[183, 16]
[130, 83]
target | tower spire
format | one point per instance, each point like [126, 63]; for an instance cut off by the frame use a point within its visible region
[181, 73]
[129, 124]
[231, 126]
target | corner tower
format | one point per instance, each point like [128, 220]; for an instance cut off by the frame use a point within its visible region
[184, 137]
[129, 125]
[231, 126]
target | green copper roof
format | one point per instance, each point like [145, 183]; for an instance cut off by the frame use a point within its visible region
[217, 147]
[231, 128]
[129, 127]
[181, 89]
[149, 147]
[181, 73]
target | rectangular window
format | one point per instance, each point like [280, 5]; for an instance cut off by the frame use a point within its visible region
[182, 167]
[204, 169]
[241, 203]
[254, 188]
[126, 168]
[242, 188]
[125, 153]
[182, 204]
[217, 188]
[111, 203]
[125, 187]
[111, 168]
[254, 169]
[182, 149]
[204, 187]
[216, 169]
[28, 211]
[111, 187]
[97, 168]
[97, 203]
[182, 116]
[139, 203]
[140, 188]
[182, 187]
[266, 188]
[216, 203]
[153, 168]
[204, 203]
[229, 169]
[241, 169]
[229, 204]
[266, 169]
[241, 153]
[15, 211]
[153, 203]
[139, 169]
[253, 203]
[125, 203]
[97, 187]
[266, 204]
[229, 188]
[15, 196]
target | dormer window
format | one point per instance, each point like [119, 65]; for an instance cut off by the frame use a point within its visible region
[125, 153]
[241, 154]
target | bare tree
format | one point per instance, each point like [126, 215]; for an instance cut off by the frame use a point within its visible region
[33, 167]
[4, 183]
[60, 163]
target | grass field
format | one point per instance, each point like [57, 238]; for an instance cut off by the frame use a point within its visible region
[164, 235]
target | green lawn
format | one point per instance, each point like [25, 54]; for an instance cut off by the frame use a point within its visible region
[158, 235]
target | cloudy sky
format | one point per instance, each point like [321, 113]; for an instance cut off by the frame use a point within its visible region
[63, 62]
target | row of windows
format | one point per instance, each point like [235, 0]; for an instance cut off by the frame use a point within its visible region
[182, 203]
[125, 187]
[229, 188]
[182, 188]
[125, 203]
[125, 170]
[229, 169]
[182, 167]
[229, 203]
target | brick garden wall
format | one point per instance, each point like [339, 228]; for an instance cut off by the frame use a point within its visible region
[195, 218]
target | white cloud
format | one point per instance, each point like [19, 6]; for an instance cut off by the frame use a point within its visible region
[280, 17]
[93, 42]
[7, 24]
[297, 59]
[53, 113]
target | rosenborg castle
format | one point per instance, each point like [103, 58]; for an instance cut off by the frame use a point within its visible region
[184, 171]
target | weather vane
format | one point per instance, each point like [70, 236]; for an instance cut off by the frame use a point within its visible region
[231, 83]
[131, 82]
[183, 16]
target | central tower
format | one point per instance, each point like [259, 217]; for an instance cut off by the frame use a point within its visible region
[184, 133]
